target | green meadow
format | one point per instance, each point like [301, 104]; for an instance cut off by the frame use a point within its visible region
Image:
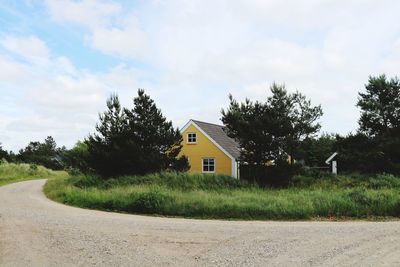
[17, 172]
[221, 197]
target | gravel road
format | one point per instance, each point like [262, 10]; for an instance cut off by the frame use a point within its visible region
[35, 231]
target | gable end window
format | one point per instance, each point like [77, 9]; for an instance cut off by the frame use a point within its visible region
[208, 165]
[191, 138]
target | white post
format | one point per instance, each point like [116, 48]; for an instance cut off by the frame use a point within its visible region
[334, 167]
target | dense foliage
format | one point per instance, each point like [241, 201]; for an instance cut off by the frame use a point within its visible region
[313, 152]
[75, 159]
[376, 146]
[380, 107]
[136, 141]
[3, 153]
[271, 131]
[44, 153]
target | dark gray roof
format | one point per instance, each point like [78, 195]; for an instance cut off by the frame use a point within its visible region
[217, 133]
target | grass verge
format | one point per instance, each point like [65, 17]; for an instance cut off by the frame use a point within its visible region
[13, 172]
[221, 197]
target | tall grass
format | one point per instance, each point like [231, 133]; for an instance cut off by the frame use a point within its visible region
[375, 181]
[172, 180]
[16, 172]
[213, 196]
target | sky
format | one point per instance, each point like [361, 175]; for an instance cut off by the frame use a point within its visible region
[60, 60]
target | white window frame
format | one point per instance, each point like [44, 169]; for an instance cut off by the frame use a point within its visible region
[190, 138]
[202, 165]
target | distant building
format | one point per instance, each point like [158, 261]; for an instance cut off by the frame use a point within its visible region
[209, 149]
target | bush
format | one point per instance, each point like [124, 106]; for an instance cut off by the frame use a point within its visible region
[278, 175]
[360, 196]
[150, 202]
[366, 154]
[33, 169]
[180, 164]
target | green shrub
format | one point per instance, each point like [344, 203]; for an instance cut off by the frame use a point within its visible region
[149, 202]
[33, 168]
[360, 196]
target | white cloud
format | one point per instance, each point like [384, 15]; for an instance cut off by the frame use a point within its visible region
[189, 55]
[30, 48]
[11, 71]
[110, 32]
[89, 13]
[56, 98]
[65, 93]
[129, 42]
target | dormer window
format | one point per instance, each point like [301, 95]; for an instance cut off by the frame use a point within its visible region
[191, 138]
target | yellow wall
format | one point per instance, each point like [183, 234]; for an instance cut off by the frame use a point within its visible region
[204, 148]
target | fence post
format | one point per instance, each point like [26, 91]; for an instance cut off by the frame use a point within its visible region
[334, 167]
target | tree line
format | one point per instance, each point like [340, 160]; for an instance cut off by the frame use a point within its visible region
[126, 142]
[375, 146]
[278, 137]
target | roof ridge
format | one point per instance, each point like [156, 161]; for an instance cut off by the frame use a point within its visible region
[209, 123]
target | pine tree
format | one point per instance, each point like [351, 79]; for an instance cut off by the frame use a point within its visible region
[380, 122]
[107, 153]
[380, 106]
[135, 141]
[273, 129]
[156, 138]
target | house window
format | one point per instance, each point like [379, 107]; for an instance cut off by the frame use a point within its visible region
[208, 165]
[191, 138]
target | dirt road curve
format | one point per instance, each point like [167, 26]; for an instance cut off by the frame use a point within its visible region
[35, 231]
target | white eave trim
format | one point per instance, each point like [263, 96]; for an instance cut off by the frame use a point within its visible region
[186, 126]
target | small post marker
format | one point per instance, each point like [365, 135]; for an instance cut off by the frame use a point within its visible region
[334, 163]
[334, 167]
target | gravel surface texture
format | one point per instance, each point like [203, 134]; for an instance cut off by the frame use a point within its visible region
[35, 231]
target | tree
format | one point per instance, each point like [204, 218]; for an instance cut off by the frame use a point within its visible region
[76, 157]
[380, 106]
[271, 131]
[158, 141]
[135, 141]
[314, 151]
[295, 118]
[380, 123]
[106, 149]
[46, 154]
[3, 154]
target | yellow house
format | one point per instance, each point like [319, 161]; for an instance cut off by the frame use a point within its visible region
[209, 149]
